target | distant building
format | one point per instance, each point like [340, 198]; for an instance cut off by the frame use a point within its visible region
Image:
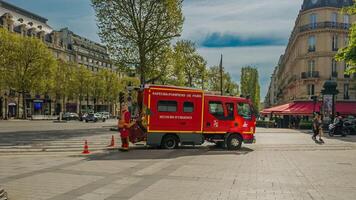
[86, 52]
[64, 44]
[320, 31]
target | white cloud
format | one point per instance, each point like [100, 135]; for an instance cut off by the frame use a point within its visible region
[245, 18]
[263, 58]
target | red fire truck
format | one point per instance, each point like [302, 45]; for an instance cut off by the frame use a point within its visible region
[176, 115]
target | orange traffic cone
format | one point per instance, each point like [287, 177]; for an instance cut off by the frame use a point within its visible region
[112, 143]
[86, 148]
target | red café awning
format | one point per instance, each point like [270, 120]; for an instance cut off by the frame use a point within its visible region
[307, 107]
[276, 109]
[346, 108]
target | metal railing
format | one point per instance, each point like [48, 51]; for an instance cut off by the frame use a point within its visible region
[321, 25]
[312, 74]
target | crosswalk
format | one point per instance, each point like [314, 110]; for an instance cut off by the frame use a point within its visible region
[56, 141]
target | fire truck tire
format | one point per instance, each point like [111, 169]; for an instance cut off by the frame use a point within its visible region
[234, 142]
[169, 142]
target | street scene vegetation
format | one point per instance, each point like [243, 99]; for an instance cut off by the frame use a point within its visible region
[142, 38]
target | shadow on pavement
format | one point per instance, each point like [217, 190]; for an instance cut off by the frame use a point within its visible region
[349, 138]
[30, 137]
[138, 153]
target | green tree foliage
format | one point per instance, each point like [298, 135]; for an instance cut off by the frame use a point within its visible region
[213, 82]
[188, 64]
[348, 54]
[137, 30]
[250, 85]
[29, 63]
[82, 79]
[63, 81]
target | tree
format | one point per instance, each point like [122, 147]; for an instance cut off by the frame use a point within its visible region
[250, 85]
[5, 47]
[348, 53]
[30, 64]
[111, 83]
[97, 88]
[63, 82]
[136, 30]
[82, 79]
[188, 64]
[213, 82]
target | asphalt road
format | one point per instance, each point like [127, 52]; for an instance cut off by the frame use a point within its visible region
[283, 164]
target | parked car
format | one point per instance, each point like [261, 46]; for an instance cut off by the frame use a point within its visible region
[69, 116]
[94, 117]
[105, 115]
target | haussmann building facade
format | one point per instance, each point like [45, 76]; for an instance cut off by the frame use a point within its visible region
[65, 45]
[320, 31]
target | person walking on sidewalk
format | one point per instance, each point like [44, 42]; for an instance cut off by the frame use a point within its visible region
[124, 125]
[317, 128]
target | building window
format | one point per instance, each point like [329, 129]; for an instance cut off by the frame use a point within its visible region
[311, 43]
[346, 21]
[334, 19]
[188, 107]
[334, 68]
[311, 89]
[346, 91]
[167, 106]
[313, 20]
[335, 43]
[311, 67]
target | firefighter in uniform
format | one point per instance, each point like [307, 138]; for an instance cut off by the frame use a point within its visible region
[124, 125]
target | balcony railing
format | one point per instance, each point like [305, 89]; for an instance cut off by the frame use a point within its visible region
[313, 74]
[321, 25]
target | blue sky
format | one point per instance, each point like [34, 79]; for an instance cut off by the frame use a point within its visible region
[246, 32]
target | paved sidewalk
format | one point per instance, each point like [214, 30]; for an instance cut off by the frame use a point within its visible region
[284, 164]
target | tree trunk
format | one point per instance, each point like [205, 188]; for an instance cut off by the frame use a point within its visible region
[87, 103]
[6, 108]
[63, 109]
[18, 106]
[94, 105]
[80, 104]
[24, 111]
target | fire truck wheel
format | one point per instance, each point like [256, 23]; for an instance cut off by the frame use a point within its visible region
[234, 142]
[169, 142]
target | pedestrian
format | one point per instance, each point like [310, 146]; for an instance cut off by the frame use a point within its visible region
[124, 125]
[297, 122]
[317, 128]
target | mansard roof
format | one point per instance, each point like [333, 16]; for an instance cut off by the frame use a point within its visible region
[22, 11]
[311, 4]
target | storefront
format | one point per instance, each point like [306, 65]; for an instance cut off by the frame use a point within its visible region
[307, 108]
[12, 110]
